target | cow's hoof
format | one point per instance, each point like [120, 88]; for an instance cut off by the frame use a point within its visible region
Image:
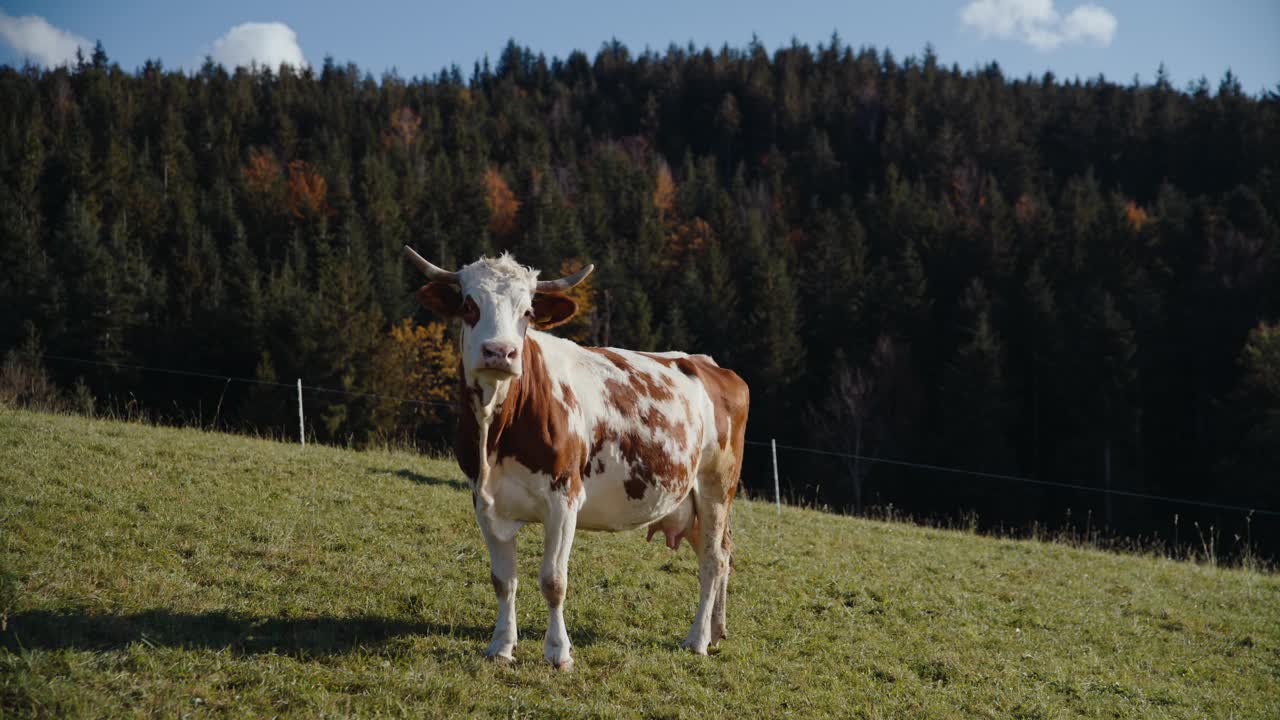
[694, 647]
[558, 656]
[499, 658]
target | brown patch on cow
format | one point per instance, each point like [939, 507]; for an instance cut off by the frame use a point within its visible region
[635, 487]
[622, 396]
[648, 461]
[553, 589]
[599, 434]
[680, 432]
[655, 420]
[728, 392]
[614, 357]
[570, 400]
[499, 587]
[651, 463]
[531, 427]
[642, 382]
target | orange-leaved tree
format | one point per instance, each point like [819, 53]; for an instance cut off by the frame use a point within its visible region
[307, 190]
[402, 130]
[685, 242]
[502, 203]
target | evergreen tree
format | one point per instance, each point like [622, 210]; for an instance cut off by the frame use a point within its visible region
[250, 221]
[974, 391]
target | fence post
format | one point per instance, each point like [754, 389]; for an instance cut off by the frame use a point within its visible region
[302, 428]
[777, 494]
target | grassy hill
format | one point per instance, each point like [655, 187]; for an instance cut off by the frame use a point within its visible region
[154, 571]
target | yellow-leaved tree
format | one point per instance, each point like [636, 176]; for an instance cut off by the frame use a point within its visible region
[582, 327]
[419, 363]
[664, 191]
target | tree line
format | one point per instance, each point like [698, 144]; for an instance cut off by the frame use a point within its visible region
[1067, 280]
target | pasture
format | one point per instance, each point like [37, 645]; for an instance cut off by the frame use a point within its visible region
[151, 571]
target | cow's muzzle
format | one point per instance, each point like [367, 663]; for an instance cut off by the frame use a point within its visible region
[499, 356]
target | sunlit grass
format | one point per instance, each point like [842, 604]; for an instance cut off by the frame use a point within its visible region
[153, 571]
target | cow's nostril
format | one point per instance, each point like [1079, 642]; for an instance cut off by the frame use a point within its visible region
[499, 352]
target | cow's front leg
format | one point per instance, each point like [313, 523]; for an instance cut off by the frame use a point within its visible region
[560, 525]
[500, 536]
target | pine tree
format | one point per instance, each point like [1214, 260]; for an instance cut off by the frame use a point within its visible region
[31, 289]
[770, 325]
[343, 334]
[974, 391]
[86, 265]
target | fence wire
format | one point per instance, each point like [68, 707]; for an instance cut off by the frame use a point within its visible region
[1027, 480]
[793, 448]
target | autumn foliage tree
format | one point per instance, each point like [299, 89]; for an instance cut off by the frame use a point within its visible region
[307, 189]
[502, 204]
[262, 174]
[403, 129]
[418, 369]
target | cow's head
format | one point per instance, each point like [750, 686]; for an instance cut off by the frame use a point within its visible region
[497, 300]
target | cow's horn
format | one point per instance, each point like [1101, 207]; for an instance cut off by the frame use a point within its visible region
[431, 271]
[566, 282]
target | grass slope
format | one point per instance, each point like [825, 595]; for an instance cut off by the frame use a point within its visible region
[155, 571]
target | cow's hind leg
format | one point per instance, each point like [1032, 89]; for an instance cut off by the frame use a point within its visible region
[500, 537]
[559, 525]
[712, 505]
[718, 629]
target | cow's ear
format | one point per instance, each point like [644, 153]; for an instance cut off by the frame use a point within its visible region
[442, 298]
[552, 309]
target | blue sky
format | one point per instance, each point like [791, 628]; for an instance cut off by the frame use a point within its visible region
[1115, 38]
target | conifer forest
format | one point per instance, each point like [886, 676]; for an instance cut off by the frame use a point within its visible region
[1069, 281]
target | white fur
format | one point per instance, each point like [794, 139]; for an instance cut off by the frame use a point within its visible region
[503, 290]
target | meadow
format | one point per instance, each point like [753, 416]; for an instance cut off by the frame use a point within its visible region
[148, 571]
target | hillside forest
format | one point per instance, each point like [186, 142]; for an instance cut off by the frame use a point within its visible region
[1071, 281]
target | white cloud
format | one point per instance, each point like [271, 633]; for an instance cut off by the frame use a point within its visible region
[1038, 24]
[33, 38]
[267, 44]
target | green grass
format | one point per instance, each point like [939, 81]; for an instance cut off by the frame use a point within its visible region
[153, 571]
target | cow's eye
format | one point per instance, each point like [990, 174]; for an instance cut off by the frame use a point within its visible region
[470, 312]
[529, 313]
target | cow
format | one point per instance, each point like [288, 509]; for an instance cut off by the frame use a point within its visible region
[584, 438]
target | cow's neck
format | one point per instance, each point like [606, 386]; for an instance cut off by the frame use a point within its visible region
[484, 397]
[489, 408]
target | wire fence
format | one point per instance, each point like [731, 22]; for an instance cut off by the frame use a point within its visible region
[232, 378]
[792, 448]
[1029, 481]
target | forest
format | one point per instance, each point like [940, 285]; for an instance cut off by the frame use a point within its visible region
[1069, 281]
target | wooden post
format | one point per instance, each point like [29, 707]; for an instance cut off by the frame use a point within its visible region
[302, 427]
[777, 494]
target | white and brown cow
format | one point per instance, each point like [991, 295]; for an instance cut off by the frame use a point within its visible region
[592, 438]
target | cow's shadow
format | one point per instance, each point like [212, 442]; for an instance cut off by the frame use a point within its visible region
[78, 629]
[216, 630]
[421, 479]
